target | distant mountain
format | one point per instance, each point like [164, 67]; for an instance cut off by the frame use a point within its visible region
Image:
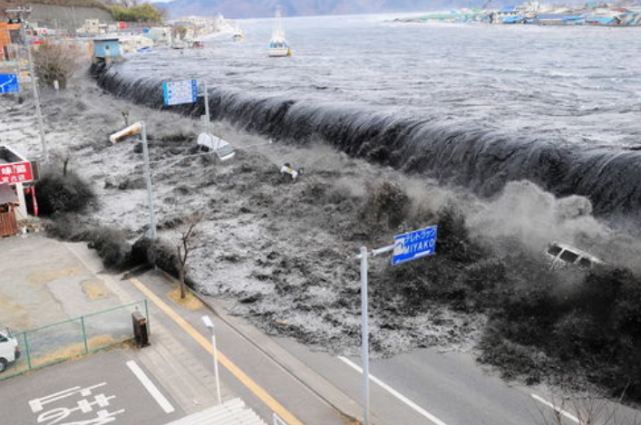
[262, 8]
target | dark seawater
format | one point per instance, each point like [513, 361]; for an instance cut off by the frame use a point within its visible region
[472, 105]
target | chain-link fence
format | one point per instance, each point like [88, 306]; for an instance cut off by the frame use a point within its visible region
[76, 337]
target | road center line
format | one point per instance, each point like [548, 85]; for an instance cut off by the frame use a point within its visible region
[556, 409]
[258, 391]
[150, 387]
[395, 393]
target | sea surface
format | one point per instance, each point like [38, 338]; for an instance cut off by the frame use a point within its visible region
[577, 84]
[477, 105]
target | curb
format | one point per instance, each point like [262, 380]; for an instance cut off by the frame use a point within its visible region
[318, 385]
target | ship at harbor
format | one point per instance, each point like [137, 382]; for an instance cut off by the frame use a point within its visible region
[535, 13]
[278, 45]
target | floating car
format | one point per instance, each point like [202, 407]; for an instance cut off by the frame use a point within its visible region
[561, 255]
[210, 143]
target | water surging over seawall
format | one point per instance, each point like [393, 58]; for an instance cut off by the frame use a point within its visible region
[479, 159]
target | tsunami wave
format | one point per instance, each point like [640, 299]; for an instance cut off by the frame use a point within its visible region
[481, 160]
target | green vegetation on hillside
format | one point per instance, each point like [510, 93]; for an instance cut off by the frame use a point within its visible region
[142, 13]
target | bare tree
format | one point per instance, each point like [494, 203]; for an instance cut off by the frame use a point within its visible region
[588, 410]
[57, 62]
[184, 248]
[63, 157]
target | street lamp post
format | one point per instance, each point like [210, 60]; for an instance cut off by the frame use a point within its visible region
[141, 128]
[150, 186]
[210, 325]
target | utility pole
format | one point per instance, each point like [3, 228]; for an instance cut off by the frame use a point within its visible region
[407, 247]
[208, 118]
[150, 187]
[364, 256]
[22, 13]
[365, 334]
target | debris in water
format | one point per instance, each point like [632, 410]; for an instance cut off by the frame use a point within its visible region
[287, 169]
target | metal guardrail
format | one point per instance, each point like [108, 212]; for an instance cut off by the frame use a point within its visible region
[51, 344]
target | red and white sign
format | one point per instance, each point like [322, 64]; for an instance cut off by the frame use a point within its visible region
[122, 25]
[17, 172]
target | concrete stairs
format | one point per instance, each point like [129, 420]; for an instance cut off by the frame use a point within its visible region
[232, 412]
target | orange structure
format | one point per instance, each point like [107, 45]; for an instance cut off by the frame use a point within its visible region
[9, 33]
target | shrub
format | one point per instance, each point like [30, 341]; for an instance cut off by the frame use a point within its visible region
[110, 243]
[454, 237]
[112, 246]
[58, 193]
[515, 359]
[385, 207]
[159, 254]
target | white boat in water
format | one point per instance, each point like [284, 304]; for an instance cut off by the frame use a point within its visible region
[239, 34]
[278, 46]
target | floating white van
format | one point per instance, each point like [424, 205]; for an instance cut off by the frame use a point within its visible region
[561, 255]
[210, 143]
[9, 350]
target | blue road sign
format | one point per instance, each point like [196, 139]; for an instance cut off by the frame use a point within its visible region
[413, 245]
[179, 92]
[9, 83]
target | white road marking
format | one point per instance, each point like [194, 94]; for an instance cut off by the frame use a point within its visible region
[153, 390]
[395, 393]
[556, 409]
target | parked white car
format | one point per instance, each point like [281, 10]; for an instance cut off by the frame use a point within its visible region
[9, 349]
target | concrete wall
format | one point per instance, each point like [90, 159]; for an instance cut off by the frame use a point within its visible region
[69, 18]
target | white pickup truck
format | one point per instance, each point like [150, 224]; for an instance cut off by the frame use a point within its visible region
[9, 349]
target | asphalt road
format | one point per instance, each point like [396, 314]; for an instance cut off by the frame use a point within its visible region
[419, 388]
[426, 387]
[106, 387]
[264, 372]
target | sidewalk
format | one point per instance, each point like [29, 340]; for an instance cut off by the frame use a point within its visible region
[68, 279]
[188, 381]
[44, 281]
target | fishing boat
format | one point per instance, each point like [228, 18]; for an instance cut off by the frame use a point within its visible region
[278, 46]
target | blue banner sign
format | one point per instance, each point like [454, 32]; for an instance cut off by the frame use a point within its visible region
[179, 92]
[413, 245]
[9, 83]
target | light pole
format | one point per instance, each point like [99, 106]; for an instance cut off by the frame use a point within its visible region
[210, 325]
[132, 130]
[150, 186]
[20, 12]
[141, 128]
